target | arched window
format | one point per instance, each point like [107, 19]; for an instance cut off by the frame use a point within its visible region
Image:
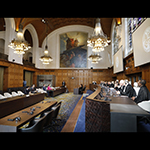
[114, 41]
[28, 54]
[2, 45]
[132, 25]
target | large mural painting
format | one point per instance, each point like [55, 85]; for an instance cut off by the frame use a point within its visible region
[73, 50]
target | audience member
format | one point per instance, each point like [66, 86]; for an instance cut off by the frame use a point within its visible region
[44, 87]
[27, 90]
[49, 89]
[81, 89]
[32, 89]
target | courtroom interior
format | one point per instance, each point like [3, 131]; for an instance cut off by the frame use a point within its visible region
[75, 74]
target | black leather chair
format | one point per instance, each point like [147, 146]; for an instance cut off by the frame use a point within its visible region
[56, 110]
[35, 125]
[48, 119]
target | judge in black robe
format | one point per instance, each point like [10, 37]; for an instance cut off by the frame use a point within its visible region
[143, 94]
[128, 90]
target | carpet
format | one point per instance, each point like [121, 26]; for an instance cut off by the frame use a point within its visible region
[80, 125]
[69, 101]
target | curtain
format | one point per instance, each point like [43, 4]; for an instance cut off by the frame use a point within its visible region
[29, 78]
[1, 77]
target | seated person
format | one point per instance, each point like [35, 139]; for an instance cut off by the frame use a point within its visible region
[117, 85]
[48, 90]
[44, 87]
[49, 87]
[27, 90]
[127, 89]
[143, 94]
[32, 89]
[81, 89]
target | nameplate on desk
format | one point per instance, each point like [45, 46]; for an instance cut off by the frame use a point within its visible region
[123, 96]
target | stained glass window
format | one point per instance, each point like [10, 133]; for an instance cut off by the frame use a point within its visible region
[132, 25]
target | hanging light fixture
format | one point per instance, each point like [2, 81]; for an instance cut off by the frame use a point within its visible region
[98, 40]
[94, 58]
[19, 45]
[46, 59]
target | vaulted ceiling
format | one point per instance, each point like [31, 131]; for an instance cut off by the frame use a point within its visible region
[55, 23]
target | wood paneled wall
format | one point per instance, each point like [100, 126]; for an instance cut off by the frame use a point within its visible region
[13, 74]
[75, 77]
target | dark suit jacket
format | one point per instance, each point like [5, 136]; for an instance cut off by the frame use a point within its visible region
[129, 91]
[143, 95]
[63, 84]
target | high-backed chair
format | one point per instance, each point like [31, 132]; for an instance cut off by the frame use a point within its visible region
[35, 126]
[20, 93]
[2, 97]
[14, 94]
[56, 110]
[8, 95]
[48, 119]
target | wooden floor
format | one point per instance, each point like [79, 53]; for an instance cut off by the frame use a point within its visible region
[71, 122]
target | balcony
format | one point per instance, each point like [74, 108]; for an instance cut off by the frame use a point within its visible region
[3, 56]
[29, 64]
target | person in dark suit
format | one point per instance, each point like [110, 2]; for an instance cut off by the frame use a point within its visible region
[128, 90]
[143, 94]
[63, 83]
[27, 90]
[32, 89]
[44, 87]
[81, 89]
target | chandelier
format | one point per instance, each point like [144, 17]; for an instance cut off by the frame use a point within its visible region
[98, 40]
[46, 59]
[19, 45]
[95, 58]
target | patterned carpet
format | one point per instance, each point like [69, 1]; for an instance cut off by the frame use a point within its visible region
[69, 101]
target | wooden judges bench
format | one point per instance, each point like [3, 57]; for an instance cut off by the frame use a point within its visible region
[118, 115]
[11, 105]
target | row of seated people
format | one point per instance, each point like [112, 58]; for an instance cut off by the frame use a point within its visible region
[139, 93]
[42, 121]
[20, 91]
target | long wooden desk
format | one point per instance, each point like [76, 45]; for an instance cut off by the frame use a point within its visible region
[123, 112]
[57, 91]
[11, 105]
[12, 126]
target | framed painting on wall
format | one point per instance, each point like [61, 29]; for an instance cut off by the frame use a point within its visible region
[73, 50]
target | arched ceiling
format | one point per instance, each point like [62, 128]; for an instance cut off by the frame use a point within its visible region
[55, 23]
